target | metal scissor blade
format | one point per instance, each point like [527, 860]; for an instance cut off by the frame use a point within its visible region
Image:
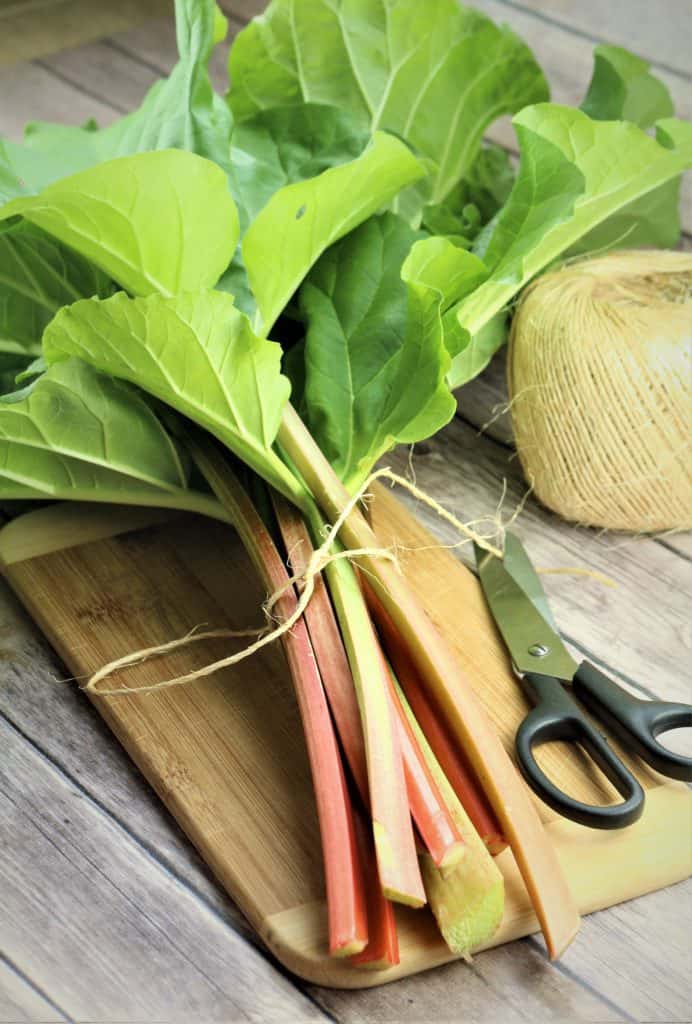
[519, 566]
[532, 643]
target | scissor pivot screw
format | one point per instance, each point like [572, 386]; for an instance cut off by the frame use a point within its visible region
[539, 650]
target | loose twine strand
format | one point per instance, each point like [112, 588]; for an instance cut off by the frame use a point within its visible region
[305, 581]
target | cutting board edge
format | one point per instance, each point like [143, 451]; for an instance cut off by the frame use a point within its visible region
[285, 934]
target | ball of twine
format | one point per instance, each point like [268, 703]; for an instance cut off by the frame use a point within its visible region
[601, 390]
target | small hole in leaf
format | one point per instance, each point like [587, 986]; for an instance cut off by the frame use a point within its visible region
[301, 212]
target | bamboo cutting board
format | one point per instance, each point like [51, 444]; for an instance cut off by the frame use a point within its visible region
[226, 755]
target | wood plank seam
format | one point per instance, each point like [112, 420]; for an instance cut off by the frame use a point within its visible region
[23, 976]
[576, 978]
[549, 19]
[92, 94]
[136, 58]
[160, 863]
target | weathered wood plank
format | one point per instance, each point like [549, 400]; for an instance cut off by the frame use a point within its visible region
[628, 963]
[37, 698]
[104, 73]
[660, 32]
[33, 93]
[120, 937]
[243, 9]
[20, 1002]
[34, 28]
[484, 402]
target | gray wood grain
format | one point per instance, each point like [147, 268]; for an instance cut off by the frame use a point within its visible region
[32, 92]
[39, 700]
[110, 933]
[20, 1001]
[653, 31]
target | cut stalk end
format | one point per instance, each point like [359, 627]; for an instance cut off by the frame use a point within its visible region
[351, 948]
[414, 893]
[454, 855]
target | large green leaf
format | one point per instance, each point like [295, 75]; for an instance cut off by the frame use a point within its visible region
[276, 148]
[197, 353]
[475, 199]
[623, 88]
[179, 112]
[574, 173]
[375, 359]
[77, 434]
[301, 220]
[38, 275]
[155, 222]
[434, 73]
[288, 144]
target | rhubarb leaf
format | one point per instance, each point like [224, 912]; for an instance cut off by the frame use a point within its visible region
[277, 148]
[281, 146]
[77, 434]
[195, 352]
[435, 74]
[623, 88]
[574, 173]
[476, 199]
[301, 220]
[155, 222]
[38, 275]
[375, 358]
[179, 112]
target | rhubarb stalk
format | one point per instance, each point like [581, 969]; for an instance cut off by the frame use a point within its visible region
[535, 857]
[327, 643]
[451, 758]
[395, 846]
[346, 906]
[382, 950]
[437, 828]
[468, 901]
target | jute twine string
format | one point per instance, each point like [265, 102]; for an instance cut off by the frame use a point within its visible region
[305, 581]
[601, 390]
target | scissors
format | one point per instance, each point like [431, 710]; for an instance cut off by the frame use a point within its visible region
[520, 608]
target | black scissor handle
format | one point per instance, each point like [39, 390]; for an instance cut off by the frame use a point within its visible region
[557, 717]
[636, 723]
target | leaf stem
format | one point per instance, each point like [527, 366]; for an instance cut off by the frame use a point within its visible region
[392, 827]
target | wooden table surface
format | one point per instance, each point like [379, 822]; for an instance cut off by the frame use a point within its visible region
[108, 914]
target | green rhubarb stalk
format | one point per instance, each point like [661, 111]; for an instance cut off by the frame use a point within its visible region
[395, 845]
[445, 679]
[468, 899]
